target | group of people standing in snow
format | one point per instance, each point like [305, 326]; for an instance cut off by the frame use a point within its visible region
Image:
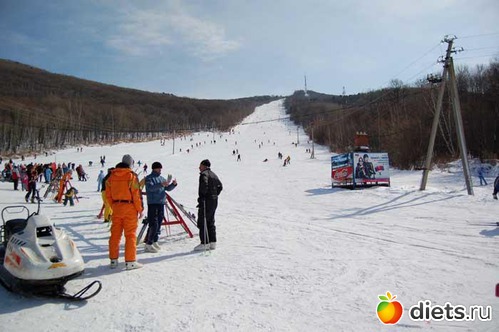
[31, 175]
[123, 193]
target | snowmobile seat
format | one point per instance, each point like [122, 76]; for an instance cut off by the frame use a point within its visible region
[13, 226]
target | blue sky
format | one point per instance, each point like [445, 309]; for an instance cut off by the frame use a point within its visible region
[240, 48]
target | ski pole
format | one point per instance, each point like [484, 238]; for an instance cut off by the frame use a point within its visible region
[206, 236]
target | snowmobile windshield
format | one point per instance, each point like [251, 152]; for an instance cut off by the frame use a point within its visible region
[45, 231]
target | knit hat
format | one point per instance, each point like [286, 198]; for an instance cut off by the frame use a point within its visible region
[156, 164]
[127, 159]
[206, 163]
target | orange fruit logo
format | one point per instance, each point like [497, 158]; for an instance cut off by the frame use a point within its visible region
[389, 311]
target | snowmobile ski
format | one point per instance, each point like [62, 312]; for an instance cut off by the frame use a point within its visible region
[80, 295]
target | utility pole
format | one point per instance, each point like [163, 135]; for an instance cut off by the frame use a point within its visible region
[436, 119]
[173, 141]
[312, 155]
[305, 89]
[448, 73]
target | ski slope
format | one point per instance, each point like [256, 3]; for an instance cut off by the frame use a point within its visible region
[293, 254]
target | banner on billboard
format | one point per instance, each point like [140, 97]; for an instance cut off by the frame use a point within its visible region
[342, 169]
[371, 167]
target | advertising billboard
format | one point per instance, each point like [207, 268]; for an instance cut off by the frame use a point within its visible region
[360, 169]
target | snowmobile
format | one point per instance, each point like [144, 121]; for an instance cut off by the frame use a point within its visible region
[37, 258]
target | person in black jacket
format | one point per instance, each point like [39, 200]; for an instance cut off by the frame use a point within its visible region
[32, 179]
[209, 189]
[496, 187]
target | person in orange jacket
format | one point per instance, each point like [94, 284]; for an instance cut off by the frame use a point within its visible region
[62, 185]
[124, 196]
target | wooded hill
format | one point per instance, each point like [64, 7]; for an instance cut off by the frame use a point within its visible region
[40, 110]
[398, 119]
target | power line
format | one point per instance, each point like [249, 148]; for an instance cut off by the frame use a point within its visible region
[358, 108]
[354, 107]
[482, 48]
[480, 35]
[419, 58]
[477, 56]
[421, 71]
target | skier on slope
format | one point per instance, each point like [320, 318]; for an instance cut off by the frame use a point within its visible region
[100, 177]
[496, 187]
[481, 176]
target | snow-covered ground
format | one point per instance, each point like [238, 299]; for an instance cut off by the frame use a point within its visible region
[293, 254]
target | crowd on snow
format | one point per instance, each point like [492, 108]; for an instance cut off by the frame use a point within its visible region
[122, 197]
[29, 177]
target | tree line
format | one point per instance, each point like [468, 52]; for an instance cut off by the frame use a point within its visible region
[40, 111]
[398, 119]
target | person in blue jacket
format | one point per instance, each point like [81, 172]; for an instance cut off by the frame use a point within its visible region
[100, 178]
[156, 187]
[481, 172]
[47, 173]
